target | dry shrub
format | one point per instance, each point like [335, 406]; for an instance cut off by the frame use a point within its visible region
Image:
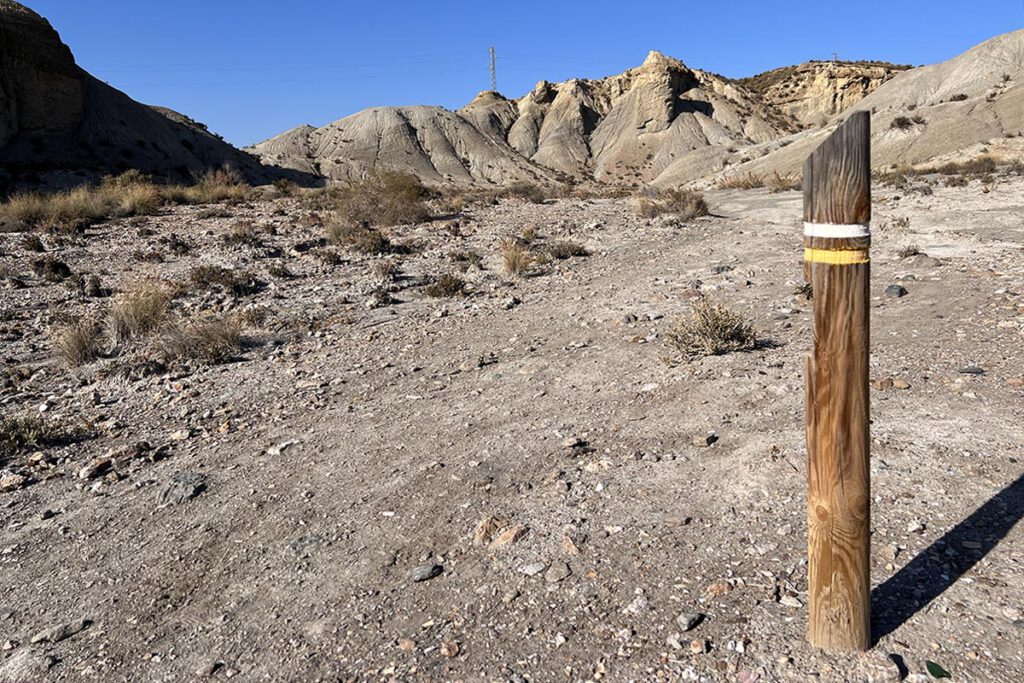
[242, 232]
[682, 203]
[781, 183]
[515, 259]
[908, 250]
[526, 191]
[26, 433]
[211, 339]
[139, 311]
[50, 268]
[235, 282]
[78, 342]
[981, 164]
[359, 238]
[564, 249]
[385, 198]
[386, 269]
[31, 242]
[446, 285]
[745, 181]
[711, 330]
[28, 208]
[465, 258]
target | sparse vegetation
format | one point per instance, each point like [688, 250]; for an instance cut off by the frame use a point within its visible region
[683, 204]
[526, 191]
[242, 232]
[908, 250]
[465, 258]
[31, 242]
[25, 433]
[235, 282]
[515, 259]
[359, 238]
[50, 268]
[385, 198]
[446, 285]
[806, 290]
[901, 123]
[78, 342]
[128, 194]
[711, 330]
[386, 269]
[139, 311]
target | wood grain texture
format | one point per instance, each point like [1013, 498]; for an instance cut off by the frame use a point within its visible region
[837, 189]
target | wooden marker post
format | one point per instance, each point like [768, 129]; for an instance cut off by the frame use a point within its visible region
[837, 237]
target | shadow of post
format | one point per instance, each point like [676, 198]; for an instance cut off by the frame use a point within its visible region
[939, 565]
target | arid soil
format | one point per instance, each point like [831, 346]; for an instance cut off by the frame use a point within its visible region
[566, 489]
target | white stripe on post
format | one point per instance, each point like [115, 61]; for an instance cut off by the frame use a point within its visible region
[837, 231]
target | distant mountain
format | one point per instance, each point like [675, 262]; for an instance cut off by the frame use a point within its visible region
[56, 119]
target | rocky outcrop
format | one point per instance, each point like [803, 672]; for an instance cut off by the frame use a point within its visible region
[55, 118]
[942, 110]
[814, 92]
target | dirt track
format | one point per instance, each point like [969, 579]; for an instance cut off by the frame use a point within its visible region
[392, 432]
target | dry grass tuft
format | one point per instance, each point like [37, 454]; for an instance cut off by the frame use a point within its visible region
[386, 269]
[385, 198]
[746, 181]
[515, 259]
[683, 204]
[711, 330]
[236, 282]
[908, 250]
[209, 339]
[781, 183]
[50, 268]
[79, 342]
[138, 312]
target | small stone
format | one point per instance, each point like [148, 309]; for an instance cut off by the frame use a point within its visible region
[899, 383]
[533, 568]
[703, 441]
[424, 572]
[509, 536]
[698, 646]
[11, 481]
[673, 641]
[629, 319]
[182, 487]
[883, 383]
[785, 530]
[60, 632]
[450, 648]
[181, 434]
[406, 645]
[896, 291]
[280, 448]
[557, 572]
[487, 528]
[573, 442]
[1016, 382]
[96, 467]
[689, 620]
[638, 605]
[916, 526]
[718, 588]
[971, 370]
[510, 303]
[790, 601]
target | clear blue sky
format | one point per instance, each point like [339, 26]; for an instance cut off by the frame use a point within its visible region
[253, 68]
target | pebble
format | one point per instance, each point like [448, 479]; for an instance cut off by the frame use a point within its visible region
[510, 536]
[915, 527]
[182, 487]
[703, 441]
[557, 572]
[10, 481]
[900, 384]
[425, 572]
[96, 467]
[971, 370]
[896, 291]
[689, 620]
[790, 601]
[533, 568]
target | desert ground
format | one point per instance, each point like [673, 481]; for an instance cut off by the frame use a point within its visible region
[518, 482]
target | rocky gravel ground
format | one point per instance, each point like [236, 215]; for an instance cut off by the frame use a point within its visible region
[517, 483]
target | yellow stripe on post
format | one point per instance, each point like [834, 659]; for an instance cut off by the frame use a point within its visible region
[845, 257]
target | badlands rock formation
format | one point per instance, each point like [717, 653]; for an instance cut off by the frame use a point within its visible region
[56, 117]
[947, 109]
[814, 92]
[627, 128]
